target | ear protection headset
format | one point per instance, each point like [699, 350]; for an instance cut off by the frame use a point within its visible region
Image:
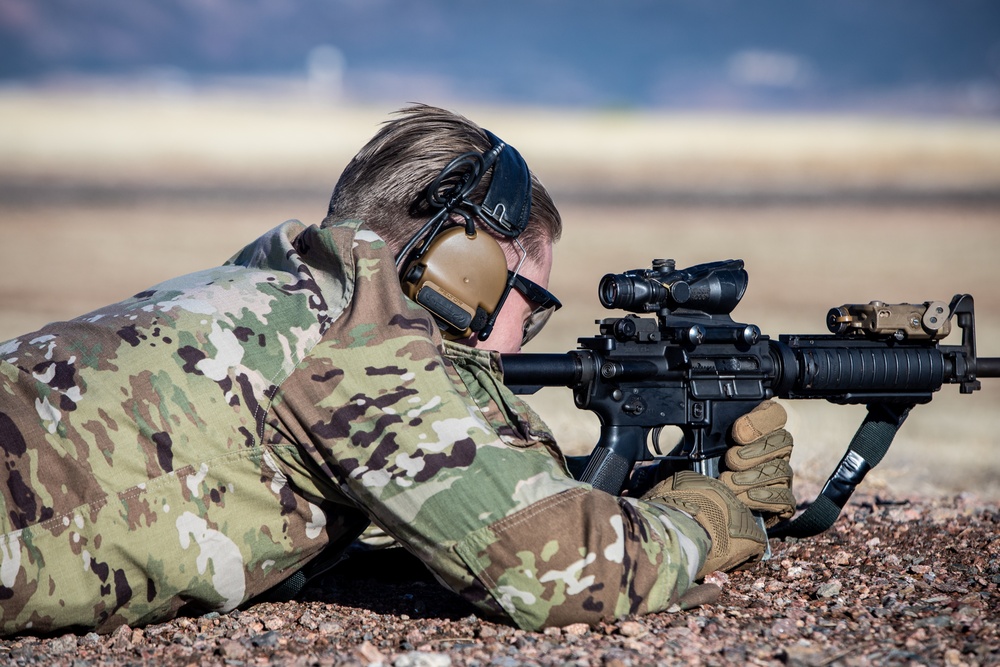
[455, 271]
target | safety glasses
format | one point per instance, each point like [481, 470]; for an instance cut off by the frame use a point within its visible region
[544, 305]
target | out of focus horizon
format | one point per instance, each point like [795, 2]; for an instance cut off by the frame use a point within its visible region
[915, 57]
[628, 108]
[631, 101]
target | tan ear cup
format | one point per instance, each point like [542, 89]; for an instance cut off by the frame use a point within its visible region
[459, 279]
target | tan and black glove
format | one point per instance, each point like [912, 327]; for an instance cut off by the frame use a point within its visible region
[736, 538]
[756, 469]
[756, 476]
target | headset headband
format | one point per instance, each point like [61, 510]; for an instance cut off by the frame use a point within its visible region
[508, 200]
[506, 208]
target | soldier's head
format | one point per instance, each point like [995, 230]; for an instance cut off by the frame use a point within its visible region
[388, 185]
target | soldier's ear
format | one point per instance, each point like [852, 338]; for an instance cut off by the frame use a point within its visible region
[460, 279]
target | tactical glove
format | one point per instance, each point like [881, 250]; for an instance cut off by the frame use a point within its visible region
[736, 538]
[756, 470]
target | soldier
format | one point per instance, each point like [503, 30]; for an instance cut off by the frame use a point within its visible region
[193, 446]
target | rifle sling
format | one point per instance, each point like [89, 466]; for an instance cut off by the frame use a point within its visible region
[869, 445]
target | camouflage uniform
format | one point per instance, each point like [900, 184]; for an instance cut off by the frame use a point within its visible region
[194, 445]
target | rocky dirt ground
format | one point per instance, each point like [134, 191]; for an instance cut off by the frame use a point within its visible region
[895, 582]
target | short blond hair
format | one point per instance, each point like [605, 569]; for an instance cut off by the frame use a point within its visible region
[385, 182]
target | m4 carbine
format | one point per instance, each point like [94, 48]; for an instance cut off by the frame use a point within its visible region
[693, 367]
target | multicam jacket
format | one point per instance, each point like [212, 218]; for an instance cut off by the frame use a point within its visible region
[194, 445]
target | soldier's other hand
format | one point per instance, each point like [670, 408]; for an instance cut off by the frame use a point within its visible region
[756, 469]
[736, 538]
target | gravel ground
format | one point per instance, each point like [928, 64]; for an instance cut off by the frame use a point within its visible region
[895, 582]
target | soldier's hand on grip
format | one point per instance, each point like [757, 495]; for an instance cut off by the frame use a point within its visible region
[756, 469]
[736, 538]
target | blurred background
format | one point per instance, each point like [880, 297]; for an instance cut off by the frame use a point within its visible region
[846, 151]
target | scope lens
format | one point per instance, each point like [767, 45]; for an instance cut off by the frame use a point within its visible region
[618, 290]
[634, 293]
[612, 289]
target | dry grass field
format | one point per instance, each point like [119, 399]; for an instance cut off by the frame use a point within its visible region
[102, 196]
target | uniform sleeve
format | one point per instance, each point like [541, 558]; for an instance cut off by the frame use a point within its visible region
[453, 466]
[447, 463]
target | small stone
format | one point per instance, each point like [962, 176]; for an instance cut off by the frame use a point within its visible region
[505, 661]
[183, 639]
[266, 640]
[330, 628]
[718, 578]
[830, 589]
[274, 623]
[231, 649]
[942, 514]
[631, 629]
[804, 655]
[576, 629]
[953, 657]
[368, 654]
[63, 644]
[784, 627]
[966, 613]
[121, 637]
[934, 621]
[422, 659]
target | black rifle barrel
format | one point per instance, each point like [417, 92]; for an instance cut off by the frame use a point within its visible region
[807, 372]
[988, 367]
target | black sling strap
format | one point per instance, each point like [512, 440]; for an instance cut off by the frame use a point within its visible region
[869, 445]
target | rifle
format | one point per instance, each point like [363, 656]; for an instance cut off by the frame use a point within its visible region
[693, 367]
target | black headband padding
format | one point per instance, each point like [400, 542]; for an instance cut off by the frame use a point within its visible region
[510, 187]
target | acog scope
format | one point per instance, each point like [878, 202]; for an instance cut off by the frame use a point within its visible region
[715, 288]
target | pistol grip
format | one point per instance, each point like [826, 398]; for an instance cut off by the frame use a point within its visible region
[607, 470]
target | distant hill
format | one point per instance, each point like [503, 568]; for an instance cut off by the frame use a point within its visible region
[914, 55]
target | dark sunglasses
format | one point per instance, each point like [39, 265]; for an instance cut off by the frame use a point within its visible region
[544, 305]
